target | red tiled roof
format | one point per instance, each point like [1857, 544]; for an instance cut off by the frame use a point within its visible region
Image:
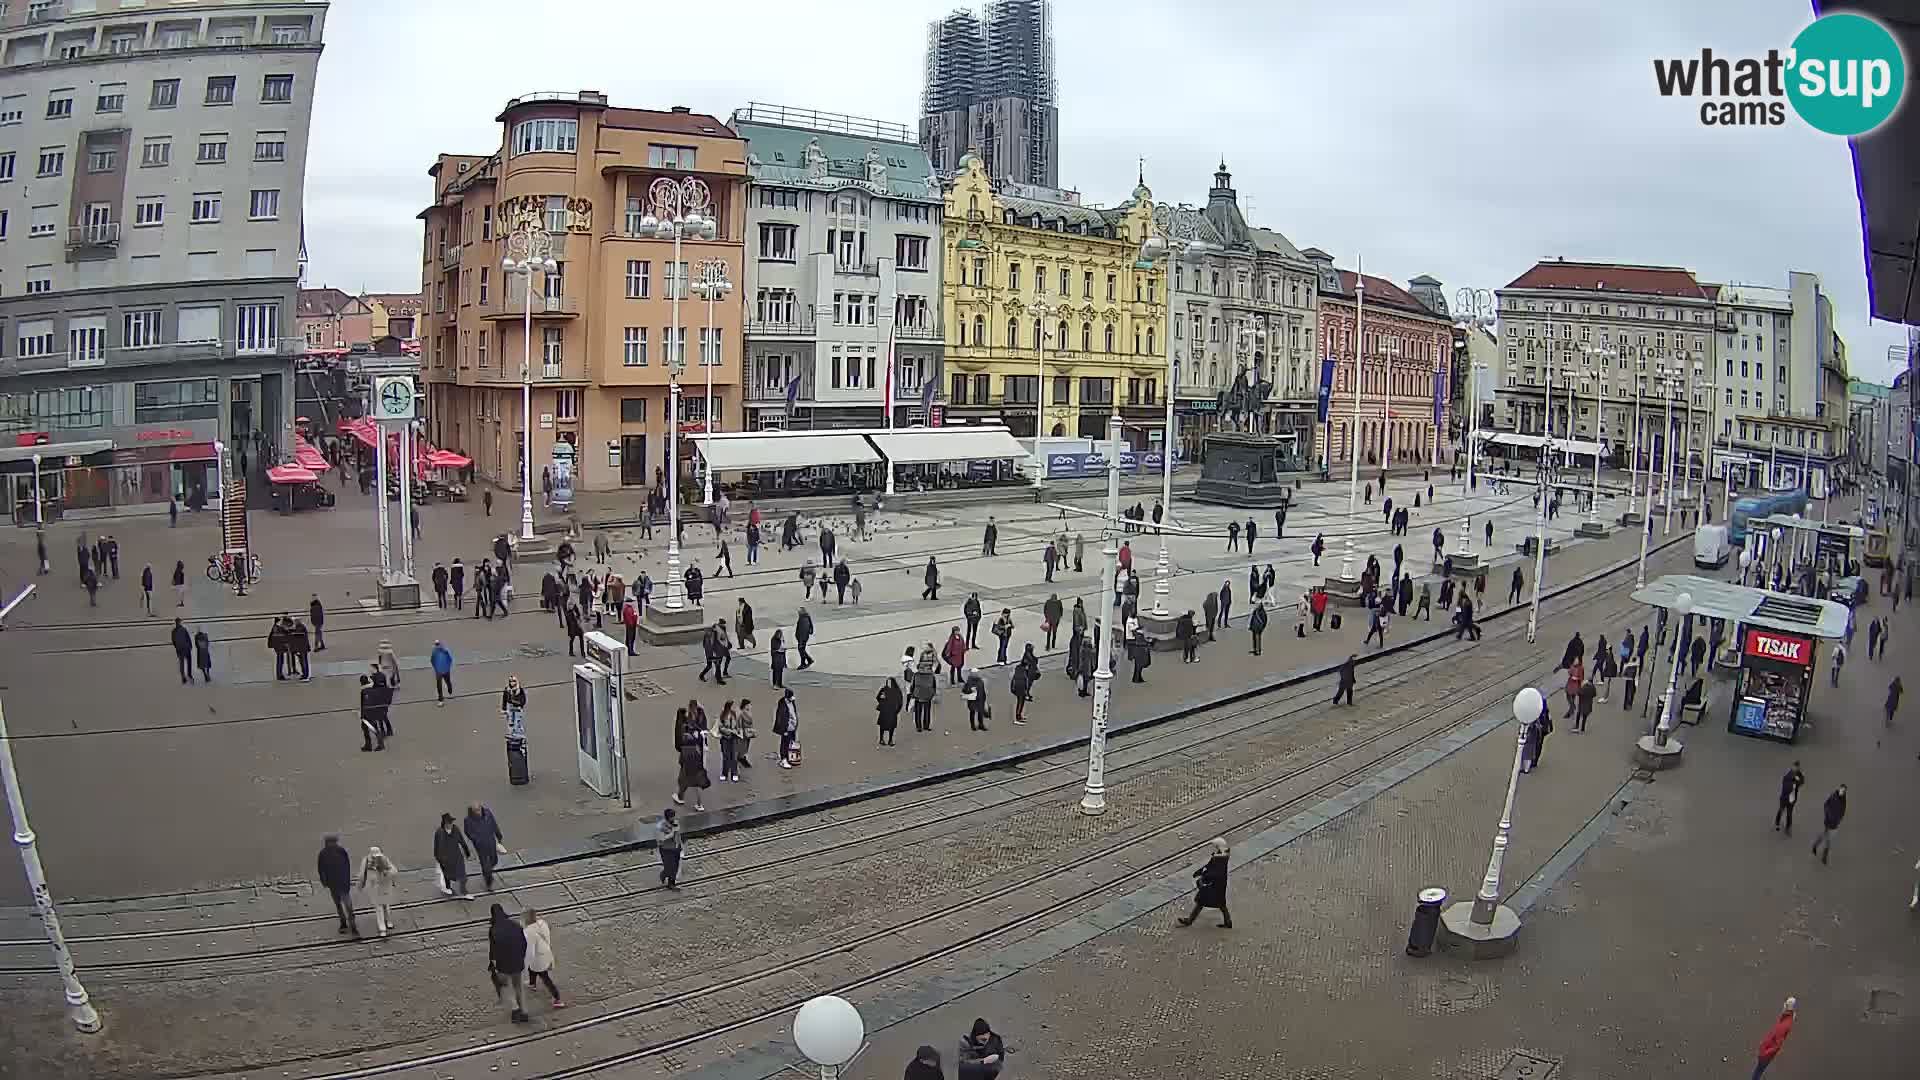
[687, 123]
[322, 303]
[1383, 292]
[1612, 277]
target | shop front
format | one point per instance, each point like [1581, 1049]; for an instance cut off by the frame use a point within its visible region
[1771, 687]
[118, 471]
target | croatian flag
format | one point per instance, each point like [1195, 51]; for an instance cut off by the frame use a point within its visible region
[793, 390]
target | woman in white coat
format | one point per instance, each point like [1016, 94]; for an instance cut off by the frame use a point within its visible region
[540, 955]
[385, 660]
[377, 877]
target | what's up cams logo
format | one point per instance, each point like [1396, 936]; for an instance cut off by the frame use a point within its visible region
[1844, 75]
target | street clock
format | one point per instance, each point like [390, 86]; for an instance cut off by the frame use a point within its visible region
[393, 397]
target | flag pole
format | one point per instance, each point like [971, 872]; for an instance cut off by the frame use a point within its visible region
[892, 330]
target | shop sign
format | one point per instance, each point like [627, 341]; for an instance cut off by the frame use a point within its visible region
[1785, 648]
[1068, 466]
[180, 431]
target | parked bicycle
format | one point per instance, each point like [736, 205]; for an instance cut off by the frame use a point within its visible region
[226, 565]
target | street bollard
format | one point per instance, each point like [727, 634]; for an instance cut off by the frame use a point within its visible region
[1426, 922]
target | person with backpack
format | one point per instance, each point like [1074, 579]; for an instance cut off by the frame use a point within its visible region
[786, 724]
[507, 960]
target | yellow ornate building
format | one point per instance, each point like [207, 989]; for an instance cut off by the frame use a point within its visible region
[1043, 292]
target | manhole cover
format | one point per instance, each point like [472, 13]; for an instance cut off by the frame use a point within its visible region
[535, 652]
[1883, 1004]
[639, 686]
[1522, 1066]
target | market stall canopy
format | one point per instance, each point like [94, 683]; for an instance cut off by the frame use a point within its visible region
[918, 446]
[305, 456]
[760, 451]
[291, 474]
[447, 459]
[361, 429]
[1743, 604]
[1577, 447]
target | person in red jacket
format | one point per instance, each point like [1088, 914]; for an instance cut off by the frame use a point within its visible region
[1318, 605]
[630, 618]
[1776, 1037]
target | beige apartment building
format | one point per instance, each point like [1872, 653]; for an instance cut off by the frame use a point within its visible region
[590, 177]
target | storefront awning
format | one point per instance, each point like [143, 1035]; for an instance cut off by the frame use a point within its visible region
[926, 445]
[1744, 604]
[51, 453]
[767, 451]
[1576, 447]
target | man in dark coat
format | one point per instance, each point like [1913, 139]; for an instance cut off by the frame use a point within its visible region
[1345, 685]
[507, 959]
[183, 650]
[277, 641]
[298, 646]
[439, 579]
[1142, 650]
[1790, 783]
[1697, 652]
[373, 734]
[457, 581]
[1051, 613]
[1576, 650]
[317, 613]
[1257, 624]
[990, 540]
[336, 874]
[1211, 887]
[1210, 609]
[1189, 637]
[842, 577]
[803, 633]
[1089, 660]
[1834, 810]
[971, 610]
[1226, 603]
[483, 832]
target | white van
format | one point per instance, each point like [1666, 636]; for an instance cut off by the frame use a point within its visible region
[1711, 548]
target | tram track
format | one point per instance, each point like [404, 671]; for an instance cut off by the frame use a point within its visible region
[1227, 724]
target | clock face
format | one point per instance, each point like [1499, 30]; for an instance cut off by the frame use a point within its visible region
[395, 398]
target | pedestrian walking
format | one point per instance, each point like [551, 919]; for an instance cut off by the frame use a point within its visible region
[1020, 684]
[1894, 690]
[887, 704]
[442, 661]
[710, 651]
[973, 691]
[388, 663]
[1585, 709]
[1210, 890]
[336, 875]
[1345, 685]
[299, 645]
[786, 724]
[1576, 678]
[1790, 784]
[539, 935]
[1839, 661]
[450, 853]
[439, 580]
[489, 842]
[692, 750]
[1377, 626]
[932, 579]
[457, 581]
[203, 654]
[1833, 811]
[777, 657]
[955, 654]
[1776, 1038]
[667, 841]
[1047, 557]
[1210, 609]
[378, 881]
[1089, 659]
[1513, 589]
[183, 651]
[507, 960]
[1079, 551]
[990, 538]
[1226, 603]
[924, 686]
[1233, 536]
[803, 633]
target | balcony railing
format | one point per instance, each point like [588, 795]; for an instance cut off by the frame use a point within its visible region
[171, 352]
[98, 234]
[911, 331]
[449, 256]
[797, 327]
[857, 269]
[511, 304]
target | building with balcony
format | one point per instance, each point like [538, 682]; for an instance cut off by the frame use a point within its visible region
[1041, 294]
[1244, 300]
[843, 271]
[1403, 349]
[1780, 388]
[1617, 339]
[595, 337]
[152, 157]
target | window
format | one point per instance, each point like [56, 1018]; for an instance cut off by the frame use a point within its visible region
[1086, 285]
[633, 410]
[270, 146]
[484, 276]
[1112, 287]
[140, 329]
[112, 99]
[486, 222]
[980, 330]
[1021, 389]
[182, 399]
[276, 89]
[102, 160]
[1013, 277]
[165, 94]
[480, 346]
[546, 136]
[87, 341]
[149, 210]
[669, 157]
[156, 151]
[6, 166]
[1013, 333]
[257, 327]
[910, 253]
[777, 243]
[1086, 337]
[13, 108]
[40, 279]
[555, 214]
[710, 346]
[35, 338]
[59, 104]
[1108, 347]
[1096, 391]
[263, 204]
[220, 90]
[555, 285]
[288, 35]
[566, 404]
[675, 348]
[636, 211]
[633, 352]
[53, 161]
[199, 324]
[778, 199]
[3, 224]
[676, 280]
[206, 208]
[213, 150]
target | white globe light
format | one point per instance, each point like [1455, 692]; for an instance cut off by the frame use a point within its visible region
[1527, 704]
[828, 1030]
[1683, 603]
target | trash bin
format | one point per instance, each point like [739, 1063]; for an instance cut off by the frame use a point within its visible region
[517, 773]
[1426, 922]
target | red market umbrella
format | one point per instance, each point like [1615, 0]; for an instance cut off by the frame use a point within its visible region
[291, 474]
[447, 459]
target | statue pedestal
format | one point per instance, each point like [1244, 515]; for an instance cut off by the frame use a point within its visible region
[1243, 469]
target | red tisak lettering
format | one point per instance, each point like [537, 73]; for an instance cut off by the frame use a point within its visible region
[1792, 650]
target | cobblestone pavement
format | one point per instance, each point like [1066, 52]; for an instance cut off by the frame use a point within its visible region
[365, 998]
[1664, 952]
[242, 777]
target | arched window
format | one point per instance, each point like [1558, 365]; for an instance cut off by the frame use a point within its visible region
[1151, 351]
[1065, 338]
[1013, 333]
[1039, 339]
[1109, 337]
[979, 329]
[1213, 373]
[1086, 337]
[973, 204]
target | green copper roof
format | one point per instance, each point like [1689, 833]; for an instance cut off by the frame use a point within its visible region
[777, 154]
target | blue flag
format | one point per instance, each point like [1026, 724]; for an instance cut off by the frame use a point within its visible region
[793, 390]
[1326, 388]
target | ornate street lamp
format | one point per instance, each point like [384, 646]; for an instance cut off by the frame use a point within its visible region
[678, 209]
[712, 284]
[529, 250]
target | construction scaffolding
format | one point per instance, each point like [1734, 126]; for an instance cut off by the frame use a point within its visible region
[1020, 66]
[990, 89]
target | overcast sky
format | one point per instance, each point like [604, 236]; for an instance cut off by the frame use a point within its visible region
[1458, 140]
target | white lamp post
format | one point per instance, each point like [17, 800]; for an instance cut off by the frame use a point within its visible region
[39, 515]
[1666, 379]
[1491, 926]
[711, 286]
[1540, 508]
[79, 1008]
[1682, 605]
[1174, 238]
[829, 1031]
[529, 250]
[1094, 801]
[678, 210]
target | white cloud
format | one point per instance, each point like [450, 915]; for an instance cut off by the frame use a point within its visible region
[1458, 140]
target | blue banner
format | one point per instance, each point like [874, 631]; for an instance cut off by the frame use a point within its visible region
[1094, 465]
[1326, 388]
[1439, 402]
